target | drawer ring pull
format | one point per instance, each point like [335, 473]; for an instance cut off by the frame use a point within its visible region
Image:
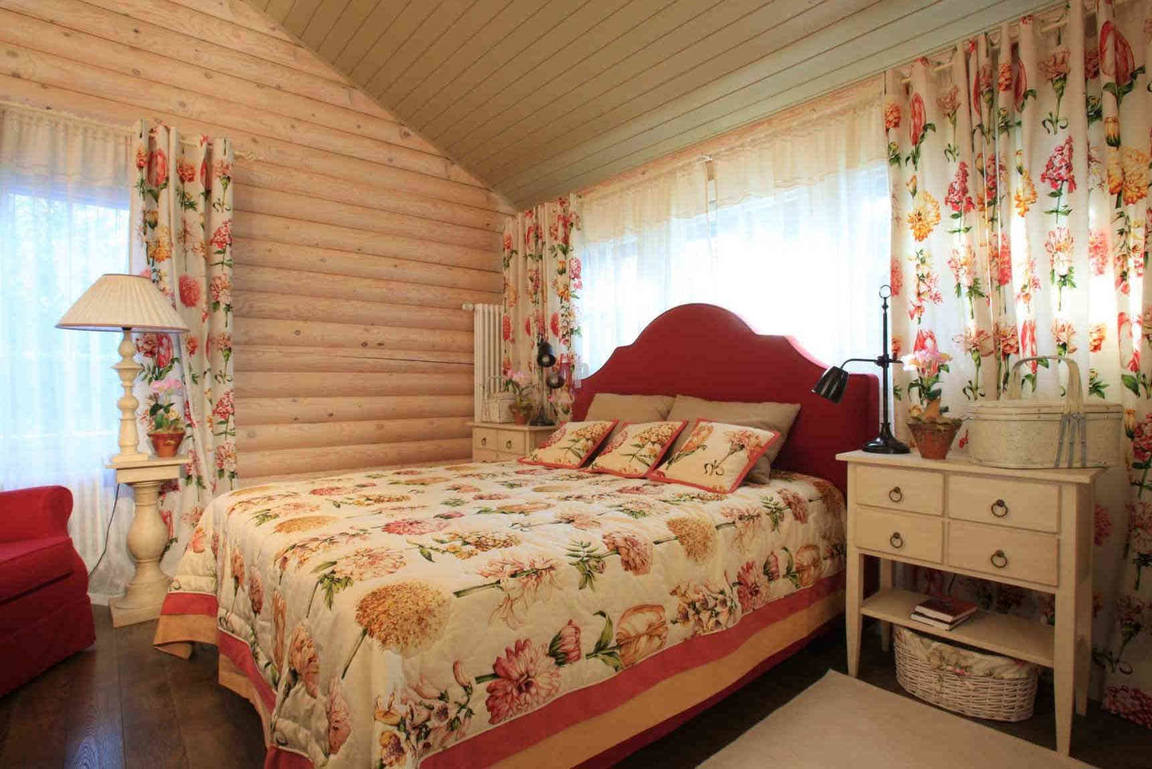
[508, 444]
[483, 441]
[895, 494]
[999, 508]
[896, 540]
[999, 560]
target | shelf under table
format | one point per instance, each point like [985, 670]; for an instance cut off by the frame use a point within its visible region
[999, 633]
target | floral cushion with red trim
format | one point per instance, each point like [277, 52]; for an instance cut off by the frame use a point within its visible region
[716, 456]
[636, 448]
[571, 445]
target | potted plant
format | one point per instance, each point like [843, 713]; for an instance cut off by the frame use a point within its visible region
[932, 431]
[519, 383]
[166, 426]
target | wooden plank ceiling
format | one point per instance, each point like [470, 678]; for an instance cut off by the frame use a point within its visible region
[538, 98]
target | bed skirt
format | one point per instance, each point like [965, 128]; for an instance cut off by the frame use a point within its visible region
[596, 726]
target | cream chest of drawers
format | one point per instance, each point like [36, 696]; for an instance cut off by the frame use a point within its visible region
[1030, 528]
[497, 442]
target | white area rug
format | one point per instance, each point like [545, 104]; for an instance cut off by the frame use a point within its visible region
[841, 722]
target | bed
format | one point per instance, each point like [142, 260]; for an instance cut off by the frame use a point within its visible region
[509, 615]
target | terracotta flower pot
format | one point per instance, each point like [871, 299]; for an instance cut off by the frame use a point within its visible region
[521, 415]
[933, 436]
[166, 444]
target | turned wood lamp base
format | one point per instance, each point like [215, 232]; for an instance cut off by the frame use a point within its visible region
[147, 538]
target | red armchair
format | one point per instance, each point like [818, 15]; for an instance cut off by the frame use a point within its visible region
[45, 613]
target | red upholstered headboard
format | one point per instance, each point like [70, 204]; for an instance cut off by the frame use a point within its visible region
[708, 352]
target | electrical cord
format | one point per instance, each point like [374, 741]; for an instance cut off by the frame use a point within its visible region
[107, 531]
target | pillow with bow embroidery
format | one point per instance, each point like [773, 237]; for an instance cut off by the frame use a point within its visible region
[716, 456]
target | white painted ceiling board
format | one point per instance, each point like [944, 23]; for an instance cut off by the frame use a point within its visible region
[692, 69]
[540, 97]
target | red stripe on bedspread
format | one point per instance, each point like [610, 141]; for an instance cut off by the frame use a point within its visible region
[190, 603]
[497, 744]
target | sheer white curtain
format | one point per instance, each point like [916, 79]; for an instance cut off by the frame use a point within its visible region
[64, 201]
[792, 234]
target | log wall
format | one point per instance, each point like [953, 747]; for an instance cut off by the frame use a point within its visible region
[356, 241]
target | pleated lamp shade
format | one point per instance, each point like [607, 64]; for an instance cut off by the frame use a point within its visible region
[117, 302]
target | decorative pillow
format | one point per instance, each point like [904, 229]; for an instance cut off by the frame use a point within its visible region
[571, 445]
[633, 450]
[777, 417]
[716, 456]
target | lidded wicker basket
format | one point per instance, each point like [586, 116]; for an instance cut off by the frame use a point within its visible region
[963, 680]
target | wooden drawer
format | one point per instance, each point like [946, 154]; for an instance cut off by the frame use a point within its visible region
[493, 439]
[1003, 552]
[911, 536]
[913, 491]
[485, 455]
[1025, 504]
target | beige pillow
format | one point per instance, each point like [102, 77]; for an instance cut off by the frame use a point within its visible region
[629, 408]
[571, 444]
[636, 449]
[777, 417]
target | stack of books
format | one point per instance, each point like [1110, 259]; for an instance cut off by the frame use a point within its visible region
[944, 613]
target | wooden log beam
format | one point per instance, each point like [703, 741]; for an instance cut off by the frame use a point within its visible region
[318, 384]
[258, 304]
[263, 463]
[291, 409]
[444, 302]
[320, 333]
[312, 435]
[284, 230]
[257, 358]
[253, 252]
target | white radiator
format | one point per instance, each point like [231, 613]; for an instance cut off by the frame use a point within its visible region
[487, 379]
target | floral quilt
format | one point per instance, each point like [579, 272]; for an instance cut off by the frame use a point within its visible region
[396, 613]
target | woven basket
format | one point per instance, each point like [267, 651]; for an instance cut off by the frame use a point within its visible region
[981, 696]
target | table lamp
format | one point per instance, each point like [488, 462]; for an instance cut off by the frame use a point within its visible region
[125, 303]
[834, 381]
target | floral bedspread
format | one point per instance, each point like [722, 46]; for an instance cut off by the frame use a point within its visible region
[395, 613]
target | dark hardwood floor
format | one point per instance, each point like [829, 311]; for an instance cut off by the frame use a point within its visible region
[123, 704]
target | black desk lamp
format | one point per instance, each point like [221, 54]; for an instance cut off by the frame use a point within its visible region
[833, 382]
[546, 359]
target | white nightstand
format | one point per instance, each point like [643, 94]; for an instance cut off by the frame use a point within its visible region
[1031, 528]
[500, 442]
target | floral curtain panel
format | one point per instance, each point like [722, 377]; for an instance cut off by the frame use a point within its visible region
[541, 283]
[1020, 200]
[182, 239]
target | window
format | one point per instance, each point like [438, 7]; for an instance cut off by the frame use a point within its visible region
[64, 201]
[794, 237]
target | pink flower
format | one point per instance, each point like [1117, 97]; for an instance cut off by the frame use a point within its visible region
[554, 324]
[565, 646]
[796, 502]
[635, 553]
[302, 659]
[1058, 170]
[222, 237]
[141, 157]
[1129, 702]
[158, 347]
[507, 241]
[925, 357]
[1116, 57]
[157, 168]
[226, 457]
[189, 291]
[1098, 251]
[191, 344]
[958, 198]
[196, 543]
[339, 717]
[916, 119]
[221, 289]
[526, 678]
[414, 526]
[186, 171]
[506, 327]
[751, 589]
[1020, 83]
[224, 407]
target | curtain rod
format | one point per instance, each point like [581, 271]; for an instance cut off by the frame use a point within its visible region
[117, 127]
[1014, 33]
